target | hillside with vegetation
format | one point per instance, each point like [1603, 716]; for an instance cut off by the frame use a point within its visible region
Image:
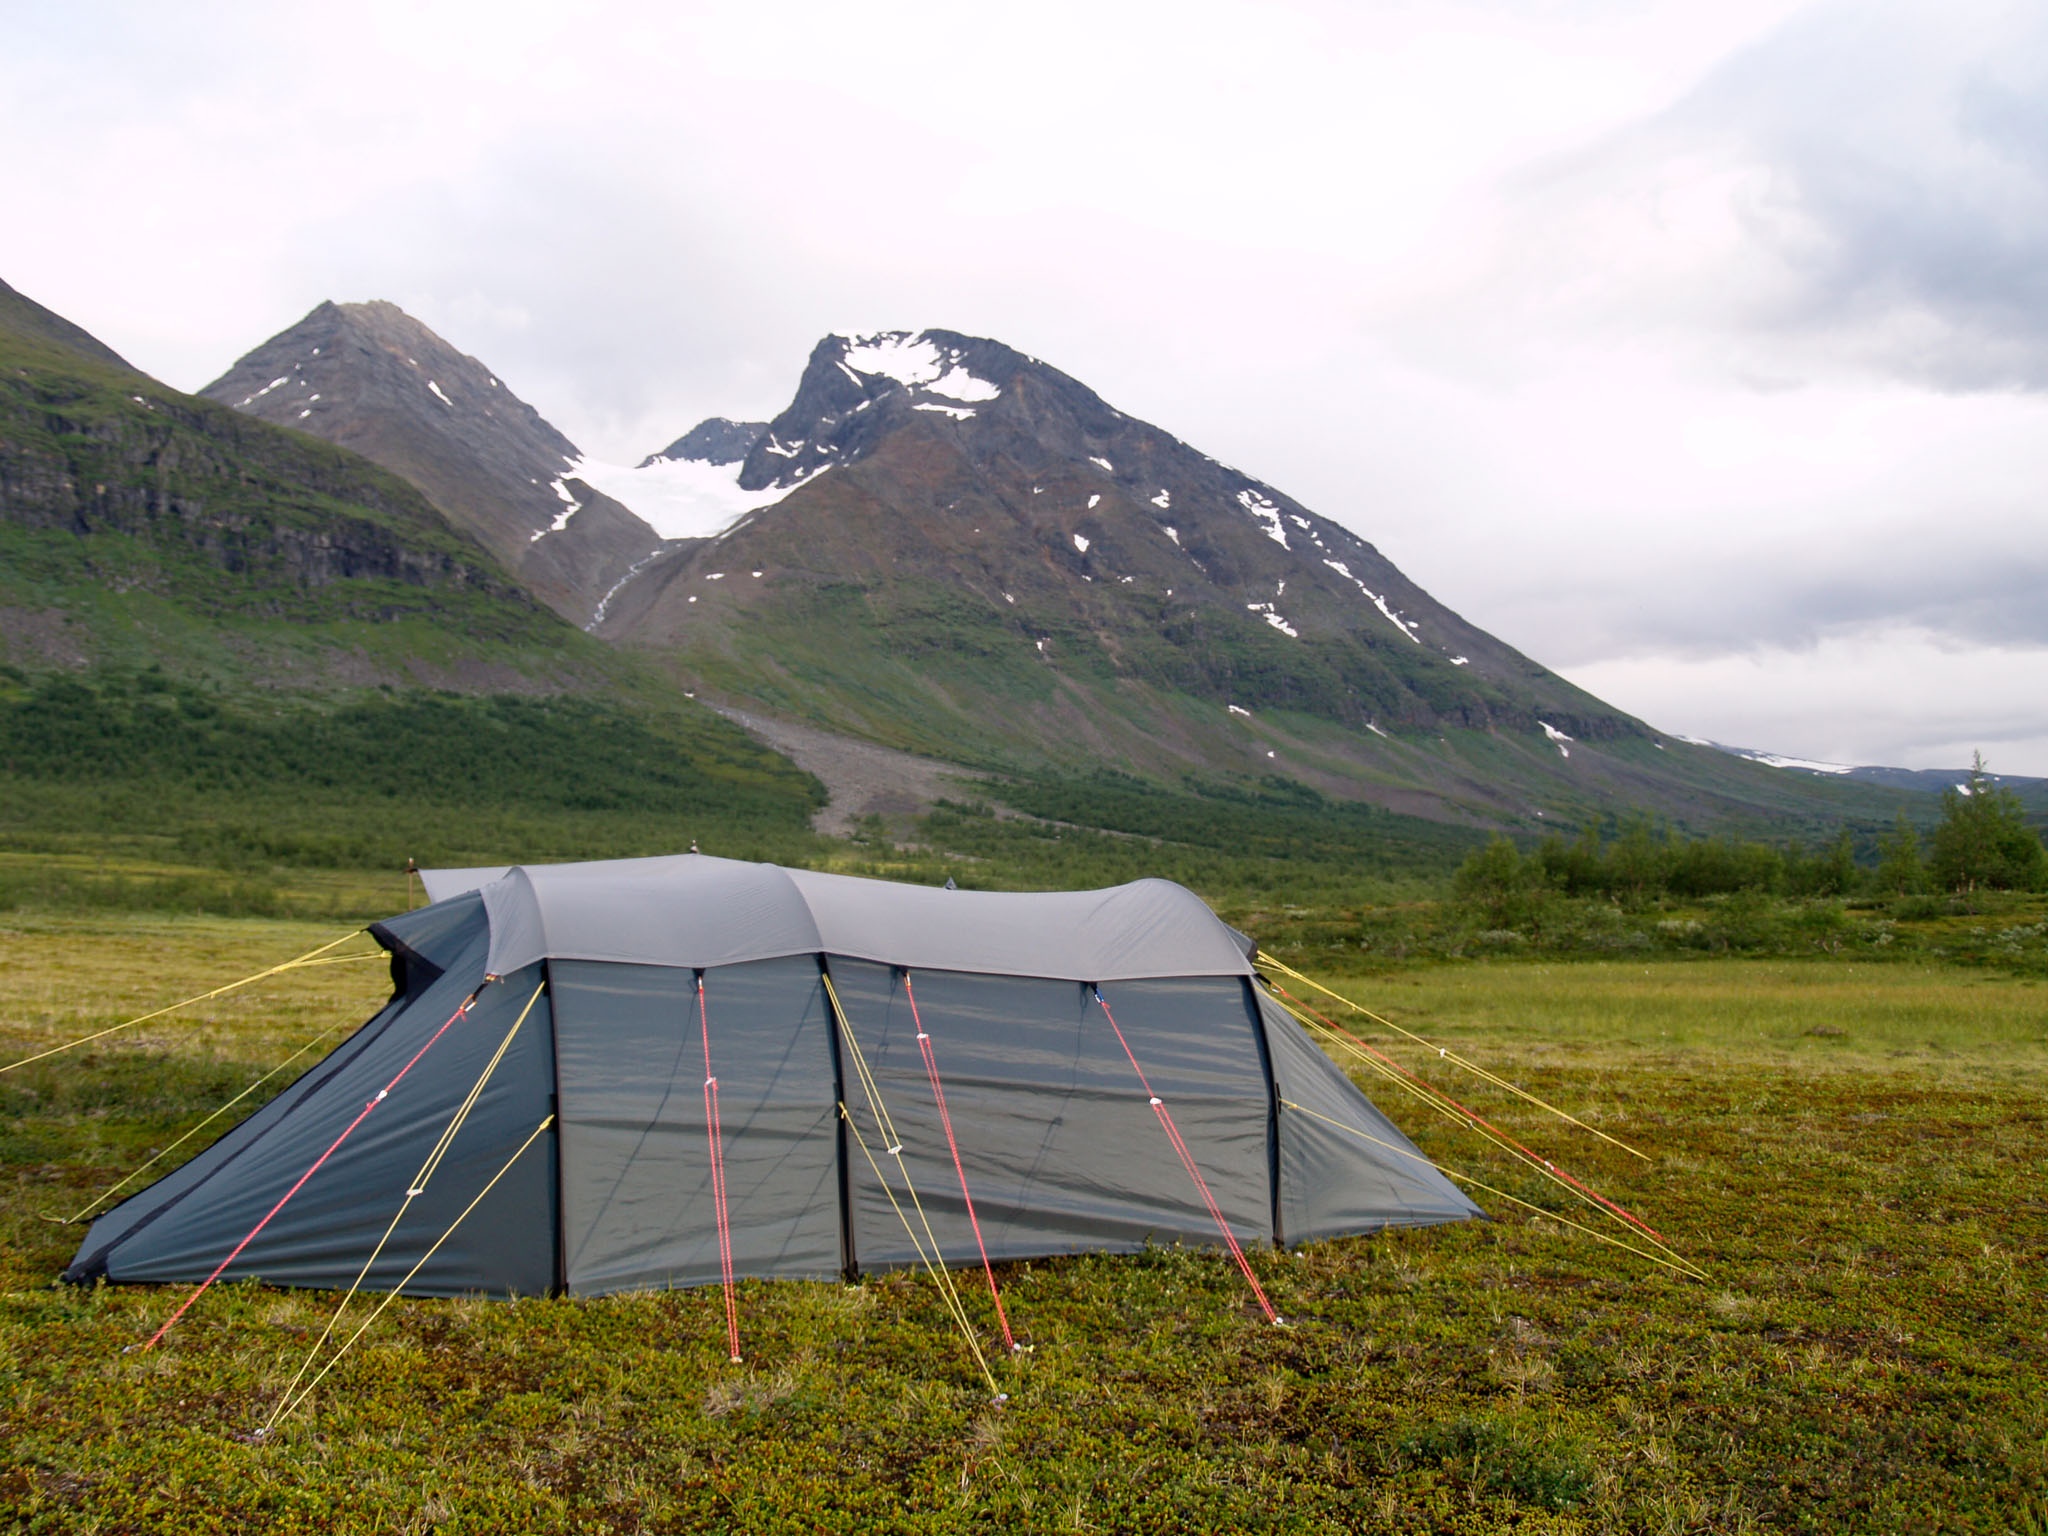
[226, 646]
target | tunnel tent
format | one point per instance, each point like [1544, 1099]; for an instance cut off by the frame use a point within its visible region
[702, 1044]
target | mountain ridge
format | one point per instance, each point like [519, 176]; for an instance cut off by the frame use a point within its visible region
[944, 546]
[373, 379]
[27, 320]
[145, 525]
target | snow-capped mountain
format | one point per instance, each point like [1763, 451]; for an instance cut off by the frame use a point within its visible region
[2032, 791]
[946, 544]
[984, 537]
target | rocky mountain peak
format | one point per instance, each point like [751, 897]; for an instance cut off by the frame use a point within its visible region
[856, 390]
[715, 440]
[373, 378]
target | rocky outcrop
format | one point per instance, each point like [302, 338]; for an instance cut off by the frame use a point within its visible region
[166, 493]
[715, 440]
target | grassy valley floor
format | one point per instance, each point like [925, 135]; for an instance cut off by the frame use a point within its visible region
[1851, 1151]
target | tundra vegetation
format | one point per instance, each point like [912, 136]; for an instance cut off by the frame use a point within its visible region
[1834, 1054]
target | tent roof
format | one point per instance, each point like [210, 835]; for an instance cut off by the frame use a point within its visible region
[695, 910]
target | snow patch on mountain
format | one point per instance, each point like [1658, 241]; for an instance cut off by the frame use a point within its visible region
[1265, 513]
[562, 517]
[1406, 626]
[1266, 612]
[1781, 760]
[917, 362]
[604, 603]
[1557, 738]
[685, 498]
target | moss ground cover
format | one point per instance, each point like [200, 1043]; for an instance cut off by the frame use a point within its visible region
[1852, 1151]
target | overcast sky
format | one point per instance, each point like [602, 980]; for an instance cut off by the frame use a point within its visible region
[1699, 350]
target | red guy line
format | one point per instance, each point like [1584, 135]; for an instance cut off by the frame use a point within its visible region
[322, 1158]
[1472, 1115]
[931, 1067]
[715, 1131]
[1187, 1161]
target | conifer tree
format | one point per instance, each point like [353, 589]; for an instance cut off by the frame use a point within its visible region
[1984, 839]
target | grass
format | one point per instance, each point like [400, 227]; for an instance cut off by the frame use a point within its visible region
[1852, 1150]
[1762, 1015]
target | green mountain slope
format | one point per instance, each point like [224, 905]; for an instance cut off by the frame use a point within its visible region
[206, 619]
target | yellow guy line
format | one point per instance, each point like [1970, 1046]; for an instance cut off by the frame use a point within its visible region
[203, 1124]
[413, 1191]
[305, 959]
[887, 1124]
[860, 1067]
[1678, 1264]
[878, 1111]
[1449, 1055]
[1429, 1095]
[938, 1274]
[534, 1136]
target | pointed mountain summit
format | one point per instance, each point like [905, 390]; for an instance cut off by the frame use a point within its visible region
[372, 378]
[957, 548]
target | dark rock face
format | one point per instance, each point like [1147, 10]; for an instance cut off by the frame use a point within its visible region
[715, 440]
[375, 380]
[131, 485]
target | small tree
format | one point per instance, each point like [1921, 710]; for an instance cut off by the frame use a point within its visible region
[1635, 864]
[1495, 878]
[1574, 869]
[1984, 838]
[1898, 865]
[1833, 873]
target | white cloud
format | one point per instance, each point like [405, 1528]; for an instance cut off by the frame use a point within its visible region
[1897, 697]
[1650, 334]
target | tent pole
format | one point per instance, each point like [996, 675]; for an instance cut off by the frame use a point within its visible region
[1251, 997]
[849, 1260]
[561, 1282]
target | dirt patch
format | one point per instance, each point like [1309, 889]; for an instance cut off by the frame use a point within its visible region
[41, 635]
[861, 778]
